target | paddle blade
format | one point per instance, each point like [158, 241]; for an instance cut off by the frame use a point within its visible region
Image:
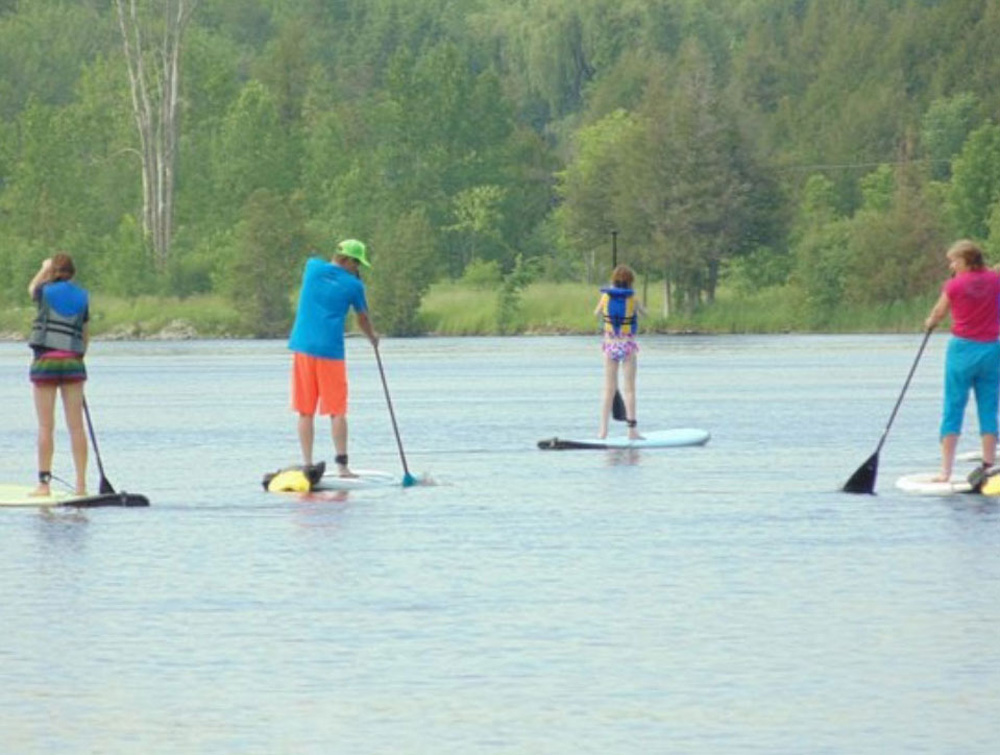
[618, 408]
[863, 480]
[105, 486]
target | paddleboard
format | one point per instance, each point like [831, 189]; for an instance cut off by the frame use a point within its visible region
[20, 496]
[923, 484]
[974, 456]
[366, 478]
[682, 436]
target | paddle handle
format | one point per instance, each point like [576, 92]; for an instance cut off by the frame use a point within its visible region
[899, 401]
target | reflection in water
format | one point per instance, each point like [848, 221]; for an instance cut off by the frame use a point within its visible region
[623, 457]
[64, 530]
[971, 509]
[323, 509]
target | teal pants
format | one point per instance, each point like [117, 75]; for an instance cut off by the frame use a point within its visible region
[971, 365]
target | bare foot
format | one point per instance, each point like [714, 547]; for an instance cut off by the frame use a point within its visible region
[343, 471]
[635, 435]
[81, 492]
[43, 490]
[941, 477]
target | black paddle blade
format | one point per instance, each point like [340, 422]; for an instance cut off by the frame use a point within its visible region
[105, 487]
[863, 480]
[618, 408]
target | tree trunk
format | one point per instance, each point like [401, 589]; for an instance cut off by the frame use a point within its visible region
[154, 83]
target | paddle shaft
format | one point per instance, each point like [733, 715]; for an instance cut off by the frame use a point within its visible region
[392, 416]
[105, 486]
[618, 410]
[902, 393]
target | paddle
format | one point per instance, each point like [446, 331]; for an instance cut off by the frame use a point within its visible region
[618, 411]
[105, 486]
[618, 407]
[863, 480]
[408, 479]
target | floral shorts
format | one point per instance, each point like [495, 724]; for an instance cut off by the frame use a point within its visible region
[620, 348]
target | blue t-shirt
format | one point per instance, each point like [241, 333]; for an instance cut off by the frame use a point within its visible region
[328, 293]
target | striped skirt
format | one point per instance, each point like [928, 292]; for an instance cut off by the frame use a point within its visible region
[58, 367]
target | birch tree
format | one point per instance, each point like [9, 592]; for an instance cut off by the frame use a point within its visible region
[152, 35]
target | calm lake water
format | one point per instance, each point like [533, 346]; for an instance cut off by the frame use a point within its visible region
[723, 599]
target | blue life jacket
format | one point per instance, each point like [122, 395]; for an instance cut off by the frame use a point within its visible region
[619, 311]
[63, 310]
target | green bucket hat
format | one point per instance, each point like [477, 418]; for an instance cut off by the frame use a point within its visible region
[354, 248]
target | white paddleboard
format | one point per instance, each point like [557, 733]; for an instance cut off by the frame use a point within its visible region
[20, 496]
[366, 478]
[682, 436]
[923, 484]
[974, 456]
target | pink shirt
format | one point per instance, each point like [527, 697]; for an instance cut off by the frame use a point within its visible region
[974, 297]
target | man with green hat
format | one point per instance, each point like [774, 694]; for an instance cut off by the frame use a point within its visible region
[319, 371]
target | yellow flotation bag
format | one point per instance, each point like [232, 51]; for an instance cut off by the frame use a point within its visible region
[991, 486]
[289, 481]
[294, 479]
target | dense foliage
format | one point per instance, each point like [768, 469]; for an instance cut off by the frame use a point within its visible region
[829, 150]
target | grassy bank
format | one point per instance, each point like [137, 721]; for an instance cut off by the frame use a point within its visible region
[146, 316]
[455, 309]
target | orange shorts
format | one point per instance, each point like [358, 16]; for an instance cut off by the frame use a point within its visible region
[319, 382]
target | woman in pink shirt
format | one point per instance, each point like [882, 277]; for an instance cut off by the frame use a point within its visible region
[972, 296]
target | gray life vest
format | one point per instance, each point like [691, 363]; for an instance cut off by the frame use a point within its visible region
[51, 330]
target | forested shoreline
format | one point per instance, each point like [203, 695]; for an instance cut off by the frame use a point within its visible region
[764, 164]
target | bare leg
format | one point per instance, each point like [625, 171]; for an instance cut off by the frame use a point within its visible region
[72, 397]
[339, 430]
[45, 409]
[989, 441]
[307, 433]
[948, 444]
[629, 368]
[610, 388]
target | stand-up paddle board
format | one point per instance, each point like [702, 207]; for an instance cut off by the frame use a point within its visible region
[924, 484]
[973, 456]
[366, 478]
[306, 479]
[683, 436]
[20, 495]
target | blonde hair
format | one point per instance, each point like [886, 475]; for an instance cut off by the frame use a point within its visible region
[971, 254]
[622, 276]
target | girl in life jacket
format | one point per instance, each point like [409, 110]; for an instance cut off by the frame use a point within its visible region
[59, 341]
[619, 311]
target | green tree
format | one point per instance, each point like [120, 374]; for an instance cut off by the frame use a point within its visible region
[820, 245]
[588, 186]
[252, 152]
[944, 128]
[271, 243]
[402, 271]
[894, 245]
[975, 183]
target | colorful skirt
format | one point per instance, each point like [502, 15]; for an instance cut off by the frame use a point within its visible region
[58, 367]
[620, 348]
